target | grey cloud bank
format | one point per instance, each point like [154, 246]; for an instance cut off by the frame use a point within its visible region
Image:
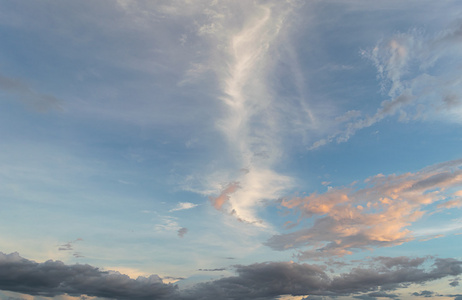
[257, 281]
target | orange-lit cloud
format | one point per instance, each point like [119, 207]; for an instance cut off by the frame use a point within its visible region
[374, 216]
[223, 198]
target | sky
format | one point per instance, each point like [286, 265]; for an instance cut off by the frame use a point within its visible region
[207, 149]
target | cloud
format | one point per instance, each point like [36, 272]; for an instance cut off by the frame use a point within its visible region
[382, 294]
[257, 281]
[182, 231]
[416, 89]
[455, 282]
[69, 246]
[53, 278]
[436, 236]
[168, 223]
[426, 294]
[224, 196]
[244, 37]
[40, 102]
[183, 206]
[272, 279]
[348, 219]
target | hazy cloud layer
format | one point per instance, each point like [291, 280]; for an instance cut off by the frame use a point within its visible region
[27, 95]
[377, 215]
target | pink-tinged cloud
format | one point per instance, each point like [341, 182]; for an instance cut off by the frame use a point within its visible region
[377, 215]
[451, 204]
[437, 236]
[224, 196]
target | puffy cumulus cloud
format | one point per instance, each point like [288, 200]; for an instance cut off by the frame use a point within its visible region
[417, 73]
[377, 215]
[53, 278]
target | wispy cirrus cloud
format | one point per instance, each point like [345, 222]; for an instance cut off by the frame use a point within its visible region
[409, 74]
[183, 206]
[27, 95]
[249, 123]
[378, 215]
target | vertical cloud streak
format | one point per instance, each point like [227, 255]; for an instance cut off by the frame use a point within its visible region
[249, 125]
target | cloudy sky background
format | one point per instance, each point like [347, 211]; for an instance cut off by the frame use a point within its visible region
[231, 149]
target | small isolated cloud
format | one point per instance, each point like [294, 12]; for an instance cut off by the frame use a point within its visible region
[183, 206]
[77, 255]
[69, 246]
[168, 224]
[426, 294]
[378, 215]
[212, 270]
[455, 282]
[182, 231]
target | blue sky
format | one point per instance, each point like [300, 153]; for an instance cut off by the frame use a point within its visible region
[230, 149]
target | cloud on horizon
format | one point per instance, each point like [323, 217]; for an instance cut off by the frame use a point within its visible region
[257, 281]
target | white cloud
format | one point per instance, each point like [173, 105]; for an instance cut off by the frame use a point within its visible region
[183, 206]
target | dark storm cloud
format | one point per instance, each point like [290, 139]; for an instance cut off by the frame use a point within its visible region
[257, 281]
[53, 278]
